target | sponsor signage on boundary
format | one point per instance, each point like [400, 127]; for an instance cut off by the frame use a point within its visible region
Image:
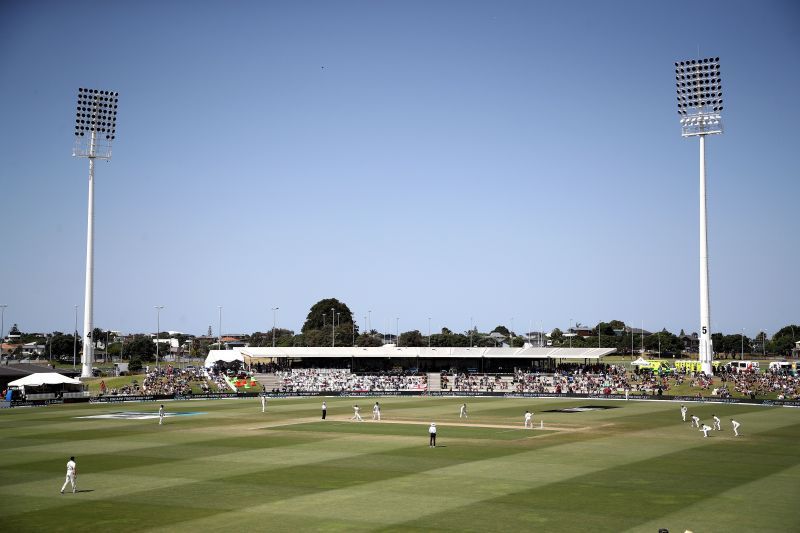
[452, 394]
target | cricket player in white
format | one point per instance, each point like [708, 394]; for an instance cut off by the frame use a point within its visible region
[528, 421]
[376, 412]
[463, 413]
[263, 403]
[717, 425]
[356, 414]
[695, 421]
[72, 473]
[735, 425]
[684, 410]
[705, 429]
[161, 415]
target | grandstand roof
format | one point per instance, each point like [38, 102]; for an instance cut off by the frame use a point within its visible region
[391, 351]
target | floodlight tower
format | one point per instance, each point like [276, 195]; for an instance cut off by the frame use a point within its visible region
[95, 130]
[699, 88]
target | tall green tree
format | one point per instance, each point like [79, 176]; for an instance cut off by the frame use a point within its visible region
[369, 339]
[784, 340]
[62, 345]
[324, 311]
[412, 338]
[329, 320]
[141, 347]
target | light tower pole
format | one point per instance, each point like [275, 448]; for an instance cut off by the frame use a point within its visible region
[96, 115]
[699, 87]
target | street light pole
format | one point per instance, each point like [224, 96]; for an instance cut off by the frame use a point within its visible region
[470, 332]
[742, 356]
[219, 333]
[641, 336]
[158, 309]
[3, 323]
[397, 332]
[75, 340]
[333, 327]
[570, 334]
[274, 318]
[631, 328]
[429, 332]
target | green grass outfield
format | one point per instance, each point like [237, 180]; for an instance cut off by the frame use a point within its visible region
[635, 467]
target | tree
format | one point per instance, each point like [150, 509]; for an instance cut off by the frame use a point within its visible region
[556, 335]
[319, 326]
[784, 340]
[368, 339]
[616, 324]
[412, 338]
[62, 345]
[97, 335]
[604, 328]
[265, 339]
[141, 347]
[502, 329]
[320, 315]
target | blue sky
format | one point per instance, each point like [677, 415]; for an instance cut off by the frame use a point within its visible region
[452, 160]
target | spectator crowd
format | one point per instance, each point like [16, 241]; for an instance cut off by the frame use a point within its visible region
[339, 380]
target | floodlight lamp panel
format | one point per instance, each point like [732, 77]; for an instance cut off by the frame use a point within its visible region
[95, 123]
[699, 86]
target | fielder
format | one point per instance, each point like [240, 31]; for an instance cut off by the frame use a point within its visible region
[528, 420]
[463, 412]
[705, 429]
[684, 410]
[263, 403]
[357, 414]
[695, 421]
[735, 425]
[376, 412]
[72, 473]
[161, 414]
[717, 425]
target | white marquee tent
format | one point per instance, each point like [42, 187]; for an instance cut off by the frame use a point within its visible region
[44, 378]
